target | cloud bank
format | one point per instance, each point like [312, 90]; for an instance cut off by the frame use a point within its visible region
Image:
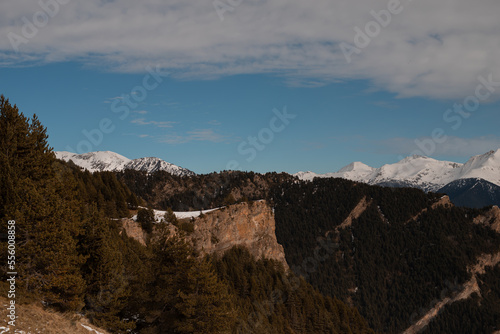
[433, 49]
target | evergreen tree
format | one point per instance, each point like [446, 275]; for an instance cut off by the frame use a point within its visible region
[170, 217]
[146, 217]
[37, 199]
[107, 285]
[204, 305]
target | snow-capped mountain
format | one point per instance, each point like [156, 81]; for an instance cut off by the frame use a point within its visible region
[486, 167]
[420, 172]
[356, 171]
[96, 161]
[416, 171]
[111, 161]
[151, 165]
[473, 192]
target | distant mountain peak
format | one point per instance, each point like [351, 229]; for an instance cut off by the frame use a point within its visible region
[111, 161]
[419, 171]
[154, 164]
[353, 166]
[417, 157]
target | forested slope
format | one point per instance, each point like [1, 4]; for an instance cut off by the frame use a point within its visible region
[71, 257]
[392, 262]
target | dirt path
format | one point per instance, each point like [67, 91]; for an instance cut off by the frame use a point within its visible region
[470, 287]
[443, 201]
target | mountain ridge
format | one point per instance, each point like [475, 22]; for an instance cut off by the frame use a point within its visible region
[421, 172]
[110, 161]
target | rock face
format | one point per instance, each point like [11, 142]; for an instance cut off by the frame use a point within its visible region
[247, 224]
[134, 230]
[490, 218]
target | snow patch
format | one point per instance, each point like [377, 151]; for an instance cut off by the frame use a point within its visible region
[91, 329]
[159, 214]
[420, 172]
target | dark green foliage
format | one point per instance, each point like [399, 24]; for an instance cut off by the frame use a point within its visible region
[73, 257]
[146, 217]
[187, 227]
[198, 192]
[473, 315]
[204, 305]
[388, 265]
[185, 296]
[105, 273]
[171, 217]
[229, 200]
[104, 190]
[32, 194]
[268, 300]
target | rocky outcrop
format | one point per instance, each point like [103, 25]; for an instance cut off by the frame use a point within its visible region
[134, 230]
[247, 224]
[358, 210]
[470, 287]
[490, 218]
[443, 201]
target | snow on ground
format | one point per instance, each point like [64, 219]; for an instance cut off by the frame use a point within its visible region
[193, 214]
[159, 214]
[91, 329]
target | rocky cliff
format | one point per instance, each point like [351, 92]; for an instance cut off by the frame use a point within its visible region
[490, 218]
[134, 230]
[247, 224]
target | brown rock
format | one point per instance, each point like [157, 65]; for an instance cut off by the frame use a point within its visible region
[247, 224]
[134, 230]
[490, 218]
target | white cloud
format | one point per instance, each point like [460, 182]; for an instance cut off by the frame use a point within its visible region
[208, 135]
[142, 121]
[451, 146]
[431, 49]
[214, 122]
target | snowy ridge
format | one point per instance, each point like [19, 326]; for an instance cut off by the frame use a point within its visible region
[110, 161]
[419, 172]
[159, 214]
[151, 165]
[96, 161]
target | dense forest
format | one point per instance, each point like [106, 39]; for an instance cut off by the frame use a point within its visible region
[72, 255]
[164, 190]
[361, 256]
[391, 262]
[479, 314]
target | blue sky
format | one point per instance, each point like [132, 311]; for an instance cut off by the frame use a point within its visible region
[223, 82]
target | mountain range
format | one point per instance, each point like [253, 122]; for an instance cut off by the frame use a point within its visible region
[419, 172]
[110, 161]
[475, 183]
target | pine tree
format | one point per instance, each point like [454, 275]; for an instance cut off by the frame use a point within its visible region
[44, 210]
[107, 285]
[170, 217]
[204, 305]
[146, 217]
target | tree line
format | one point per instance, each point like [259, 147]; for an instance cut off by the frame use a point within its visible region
[386, 264]
[73, 255]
